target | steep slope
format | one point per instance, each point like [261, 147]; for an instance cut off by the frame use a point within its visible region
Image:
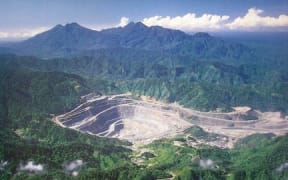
[200, 85]
[139, 36]
[27, 134]
[72, 39]
[202, 45]
[198, 45]
[65, 40]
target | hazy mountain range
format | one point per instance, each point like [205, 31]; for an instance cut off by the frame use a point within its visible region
[48, 73]
[73, 39]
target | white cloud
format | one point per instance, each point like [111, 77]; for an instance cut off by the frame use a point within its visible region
[74, 165]
[29, 32]
[188, 22]
[282, 167]
[3, 164]
[21, 33]
[31, 167]
[123, 21]
[75, 173]
[253, 20]
[206, 163]
[99, 27]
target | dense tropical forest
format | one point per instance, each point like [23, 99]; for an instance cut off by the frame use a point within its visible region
[203, 73]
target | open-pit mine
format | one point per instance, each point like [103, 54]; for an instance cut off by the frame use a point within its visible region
[140, 119]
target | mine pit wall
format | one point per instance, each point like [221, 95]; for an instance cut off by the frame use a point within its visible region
[100, 123]
[211, 121]
[94, 108]
[234, 116]
[109, 111]
[111, 116]
[277, 127]
[126, 112]
[76, 118]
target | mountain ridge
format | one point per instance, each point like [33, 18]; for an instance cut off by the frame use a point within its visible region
[73, 38]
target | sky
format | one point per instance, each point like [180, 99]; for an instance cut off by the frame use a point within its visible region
[25, 18]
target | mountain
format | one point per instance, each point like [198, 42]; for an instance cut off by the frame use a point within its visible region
[33, 90]
[139, 36]
[199, 85]
[164, 64]
[62, 40]
[202, 45]
[73, 39]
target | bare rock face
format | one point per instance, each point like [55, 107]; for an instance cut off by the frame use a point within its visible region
[143, 119]
[125, 118]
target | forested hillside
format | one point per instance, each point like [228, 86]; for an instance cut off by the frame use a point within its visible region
[46, 75]
[201, 85]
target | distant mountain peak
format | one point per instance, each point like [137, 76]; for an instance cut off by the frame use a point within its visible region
[72, 38]
[135, 25]
[72, 25]
[140, 24]
[58, 26]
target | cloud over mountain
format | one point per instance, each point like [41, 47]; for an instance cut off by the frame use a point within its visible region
[188, 22]
[252, 20]
[123, 21]
[21, 33]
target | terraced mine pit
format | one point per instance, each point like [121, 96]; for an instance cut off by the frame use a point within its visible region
[143, 120]
[124, 118]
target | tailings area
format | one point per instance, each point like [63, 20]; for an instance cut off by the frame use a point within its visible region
[142, 119]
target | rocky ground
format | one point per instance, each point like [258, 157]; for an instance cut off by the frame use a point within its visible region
[141, 120]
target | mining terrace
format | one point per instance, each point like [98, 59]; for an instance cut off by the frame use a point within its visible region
[142, 119]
